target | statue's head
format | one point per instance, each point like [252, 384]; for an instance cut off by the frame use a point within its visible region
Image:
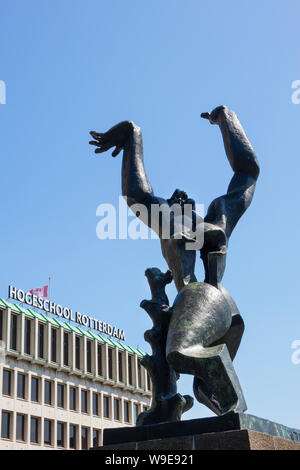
[180, 197]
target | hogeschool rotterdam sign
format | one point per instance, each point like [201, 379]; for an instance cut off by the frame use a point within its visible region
[47, 305]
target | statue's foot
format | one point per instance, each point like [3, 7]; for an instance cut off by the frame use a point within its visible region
[213, 117]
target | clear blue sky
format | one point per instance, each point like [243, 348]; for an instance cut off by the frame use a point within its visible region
[71, 66]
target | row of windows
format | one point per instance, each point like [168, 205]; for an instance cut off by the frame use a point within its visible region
[66, 359]
[61, 391]
[35, 424]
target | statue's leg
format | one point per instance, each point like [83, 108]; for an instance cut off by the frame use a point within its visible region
[225, 211]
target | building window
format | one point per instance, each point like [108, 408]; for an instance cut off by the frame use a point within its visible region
[35, 389]
[6, 385]
[1, 324]
[5, 425]
[135, 412]
[27, 336]
[47, 432]
[53, 344]
[110, 363]
[60, 395]
[106, 407]
[89, 356]
[117, 409]
[72, 398]
[72, 436]
[84, 438]
[100, 371]
[34, 430]
[66, 349]
[13, 331]
[126, 411]
[84, 401]
[139, 373]
[120, 360]
[20, 431]
[41, 341]
[95, 404]
[77, 352]
[48, 392]
[21, 386]
[130, 374]
[60, 435]
[96, 435]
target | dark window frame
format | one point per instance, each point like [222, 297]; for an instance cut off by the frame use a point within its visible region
[110, 364]
[35, 380]
[53, 345]
[60, 395]
[89, 356]
[66, 349]
[72, 445]
[95, 401]
[8, 415]
[84, 393]
[130, 369]
[27, 336]
[49, 422]
[36, 421]
[41, 341]
[126, 411]
[6, 385]
[117, 403]
[13, 332]
[48, 399]
[120, 363]
[96, 438]
[84, 439]
[77, 352]
[21, 386]
[99, 357]
[106, 406]
[60, 442]
[22, 438]
[73, 399]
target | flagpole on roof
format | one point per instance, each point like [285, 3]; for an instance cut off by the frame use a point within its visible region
[50, 289]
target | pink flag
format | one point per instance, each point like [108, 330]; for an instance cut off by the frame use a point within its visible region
[40, 291]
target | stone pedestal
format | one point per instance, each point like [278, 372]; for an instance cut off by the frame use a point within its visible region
[228, 440]
[233, 431]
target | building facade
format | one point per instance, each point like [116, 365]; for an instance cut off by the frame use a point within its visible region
[62, 385]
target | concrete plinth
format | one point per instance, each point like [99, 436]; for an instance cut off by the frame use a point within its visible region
[233, 431]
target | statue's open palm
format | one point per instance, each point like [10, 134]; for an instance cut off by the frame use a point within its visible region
[114, 137]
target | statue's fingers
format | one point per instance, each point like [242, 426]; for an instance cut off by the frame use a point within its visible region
[96, 135]
[116, 151]
[94, 142]
[100, 150]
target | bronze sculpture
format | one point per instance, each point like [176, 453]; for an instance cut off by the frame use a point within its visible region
[205, 327]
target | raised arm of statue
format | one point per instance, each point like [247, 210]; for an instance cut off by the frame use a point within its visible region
[136, 187]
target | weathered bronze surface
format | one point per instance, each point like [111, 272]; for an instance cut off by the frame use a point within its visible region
[200, 334]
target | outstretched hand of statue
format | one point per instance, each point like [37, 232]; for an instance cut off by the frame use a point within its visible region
[114, 137]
